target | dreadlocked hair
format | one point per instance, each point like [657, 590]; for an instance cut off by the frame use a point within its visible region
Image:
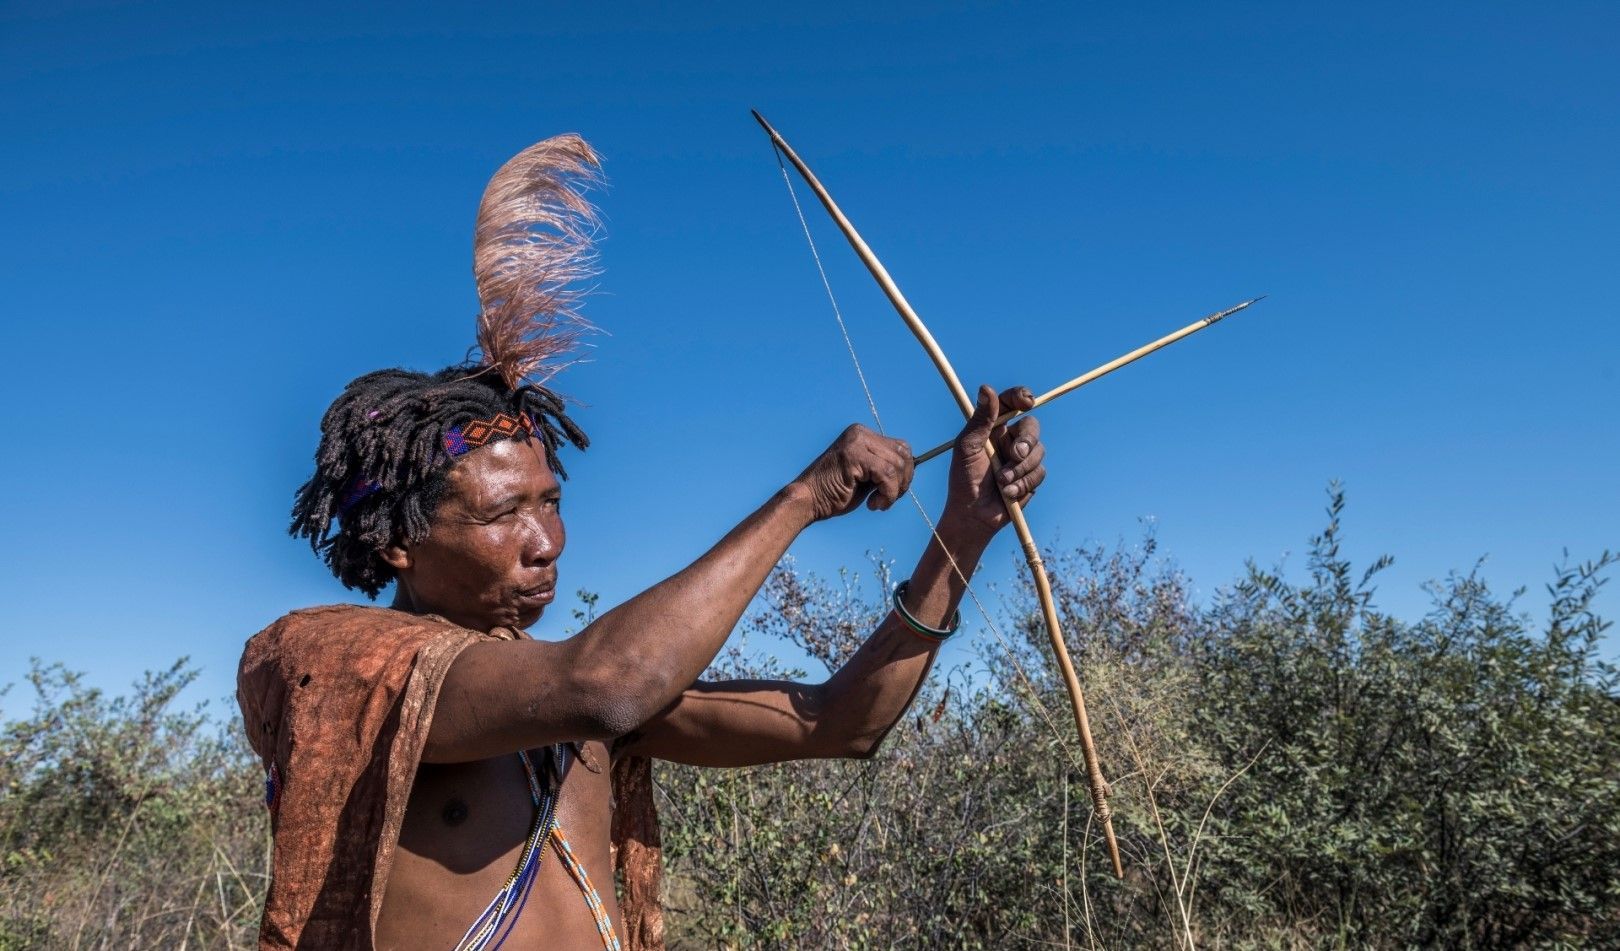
[388, 428]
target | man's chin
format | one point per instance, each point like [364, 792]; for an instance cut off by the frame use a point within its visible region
[528, 607]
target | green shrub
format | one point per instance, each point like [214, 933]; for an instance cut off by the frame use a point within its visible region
[125, 823]
[1291, 767]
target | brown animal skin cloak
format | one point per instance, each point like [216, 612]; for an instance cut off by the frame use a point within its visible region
[337, 702]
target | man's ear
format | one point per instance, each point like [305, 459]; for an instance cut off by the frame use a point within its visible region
[397, 556]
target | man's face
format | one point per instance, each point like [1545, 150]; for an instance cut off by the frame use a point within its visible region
[490, 557]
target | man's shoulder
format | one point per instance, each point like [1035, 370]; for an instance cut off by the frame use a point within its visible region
[344, 634]
[340, 619]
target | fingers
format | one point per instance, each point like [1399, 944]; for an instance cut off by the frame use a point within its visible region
[970, 442]
[1023, 455]
[874, 467]
[1017, 400]
[857, 484]
[889, 473]
[1020, 480]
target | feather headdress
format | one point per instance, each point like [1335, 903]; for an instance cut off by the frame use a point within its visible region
[532, 249]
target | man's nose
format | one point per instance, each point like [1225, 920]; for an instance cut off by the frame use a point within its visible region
[544, 542]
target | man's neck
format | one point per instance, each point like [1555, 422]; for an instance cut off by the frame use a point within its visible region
[404, 601]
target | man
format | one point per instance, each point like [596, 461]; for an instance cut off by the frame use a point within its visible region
[437, 778]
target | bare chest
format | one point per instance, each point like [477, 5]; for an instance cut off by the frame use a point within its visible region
[463, 835]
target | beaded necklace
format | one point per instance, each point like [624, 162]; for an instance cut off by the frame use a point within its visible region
[494, 925]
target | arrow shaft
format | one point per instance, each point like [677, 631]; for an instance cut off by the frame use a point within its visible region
[1098, 373]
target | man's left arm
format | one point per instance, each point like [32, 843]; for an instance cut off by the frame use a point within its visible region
[750, 722]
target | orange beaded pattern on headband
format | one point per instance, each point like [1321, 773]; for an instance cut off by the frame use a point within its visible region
[469, 436]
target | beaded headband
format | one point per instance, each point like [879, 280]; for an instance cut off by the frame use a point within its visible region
[458, 441]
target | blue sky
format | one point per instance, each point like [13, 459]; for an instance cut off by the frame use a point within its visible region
[212, 216]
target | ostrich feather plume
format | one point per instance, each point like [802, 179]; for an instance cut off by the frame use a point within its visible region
[533, 248]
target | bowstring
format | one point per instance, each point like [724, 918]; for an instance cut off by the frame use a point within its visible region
[877, 418]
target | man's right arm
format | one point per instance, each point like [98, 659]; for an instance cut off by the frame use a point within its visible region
[634, 660]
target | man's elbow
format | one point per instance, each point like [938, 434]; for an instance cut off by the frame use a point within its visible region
[611, 719]
[617, 700]
[863, 744]
[863, 749]
[849, 730]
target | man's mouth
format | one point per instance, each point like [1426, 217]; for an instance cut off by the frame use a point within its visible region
[537, 596]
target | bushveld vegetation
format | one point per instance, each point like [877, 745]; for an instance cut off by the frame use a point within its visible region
[1292, 768]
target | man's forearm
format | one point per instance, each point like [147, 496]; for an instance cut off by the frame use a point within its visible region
[873, 688]
[656, 644]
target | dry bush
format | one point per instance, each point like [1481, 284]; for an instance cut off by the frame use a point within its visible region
[1291, 768]
[125, 823]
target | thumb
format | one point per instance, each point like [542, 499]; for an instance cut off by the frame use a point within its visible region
[977, 431]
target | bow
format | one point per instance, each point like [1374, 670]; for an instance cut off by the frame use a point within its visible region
[1037, 568]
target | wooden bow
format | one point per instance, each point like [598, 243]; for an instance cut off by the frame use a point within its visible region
[1032, 554]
